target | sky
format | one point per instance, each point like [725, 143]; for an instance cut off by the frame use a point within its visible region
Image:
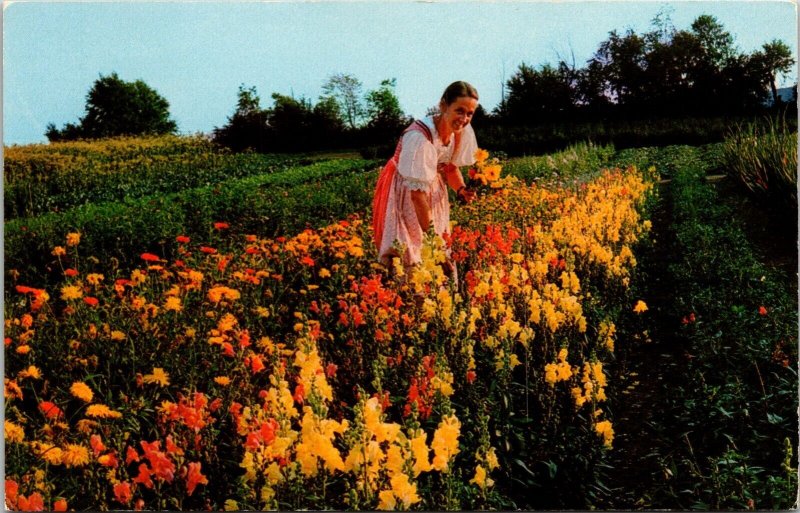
[197, 54]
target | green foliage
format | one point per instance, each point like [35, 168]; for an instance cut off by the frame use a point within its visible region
[763, 158]
[275, 203]
[115, 107]
[53, 178]
[726, 383]
[580, 161]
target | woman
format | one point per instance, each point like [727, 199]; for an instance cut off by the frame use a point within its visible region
[411, 195]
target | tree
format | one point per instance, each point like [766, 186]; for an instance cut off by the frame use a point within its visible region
[248, 127]
[385, 118]
[115, 107]
[775, 58]
[346, 91]
[543, 94]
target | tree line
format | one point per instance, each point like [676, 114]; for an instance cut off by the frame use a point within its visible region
[663, 73]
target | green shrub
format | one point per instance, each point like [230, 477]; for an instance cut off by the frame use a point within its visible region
[763, 158]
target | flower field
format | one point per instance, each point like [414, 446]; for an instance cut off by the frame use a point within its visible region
[237, 346]
[295, 372]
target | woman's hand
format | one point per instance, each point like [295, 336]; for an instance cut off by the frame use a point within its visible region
[422, 207]
[465, 194]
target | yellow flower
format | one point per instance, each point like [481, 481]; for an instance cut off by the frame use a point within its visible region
[48, 452]
[231, 505]
[73, 239]
[173, 303]
[604, 429]
[445, 442]
[222, 380]
[24, 349]
[480, 476]
[324, 273]
[94, 278]
[158, 377]
[31, 372]
[117, 335]
[73, 455]
[387, 501]
[480, 155]
[82, 391]
[102, 411]
[13, 432]
[71, 292]
[640, 307]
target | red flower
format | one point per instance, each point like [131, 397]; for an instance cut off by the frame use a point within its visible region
[194, 478]
[35, 502]
[256, 364]
[149, 257]
[71, 273]
[471, 376]
[123, 493]
[50, 410]
[330, 370]
[12, 488]
[131, 455]
[91, 301]
[144, 476]
[299, 393]
[97, 444]
[60, 505]
[762, 310]
[207, 250]
[306, 260]
[22, 289]
[221, 226]
[183, 239]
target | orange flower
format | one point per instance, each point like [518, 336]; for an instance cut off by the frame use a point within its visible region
[35, 502]
[183, 239]
[50, 410]
[207, 250]
[73, 239]
[82, 391]
[97, 444]
[102, 411]
[221, 226]
[60, 505]
[149, 257]
[71, 273]
[91, 301]
[123, 493]
[762, 310]
[12, 488]
[194, 478]
[144, 476]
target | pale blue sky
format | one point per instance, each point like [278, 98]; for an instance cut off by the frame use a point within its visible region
[197, 54]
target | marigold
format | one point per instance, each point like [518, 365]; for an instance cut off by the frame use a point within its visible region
[640, 307]
[183, 239]
[94, 278]
[158, 377]
[73, 239]
[50, 410]
[13, 433]
[222, 380]
[173, 304]
[69, 292]
[149, 257]
[91, 301]
[24, 349]
[31, 372]
[58, 251]
[102, 411]
[82, 391]
[73, 455]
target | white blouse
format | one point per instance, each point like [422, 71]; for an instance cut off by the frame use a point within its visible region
[419, 159]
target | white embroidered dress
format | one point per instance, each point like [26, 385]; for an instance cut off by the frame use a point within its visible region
[417, 170]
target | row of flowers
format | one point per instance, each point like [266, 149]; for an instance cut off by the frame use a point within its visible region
[296, 372]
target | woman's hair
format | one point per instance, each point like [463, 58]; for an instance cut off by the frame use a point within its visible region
[458, 89]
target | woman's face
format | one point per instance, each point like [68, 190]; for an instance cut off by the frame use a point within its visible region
[458, 114]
